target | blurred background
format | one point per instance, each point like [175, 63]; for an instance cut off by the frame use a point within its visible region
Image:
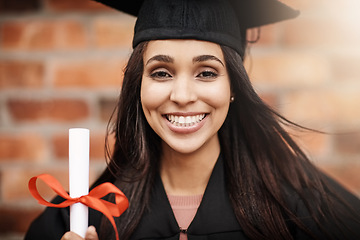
[61, 66]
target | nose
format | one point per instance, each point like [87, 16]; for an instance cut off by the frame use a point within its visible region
[183, 91]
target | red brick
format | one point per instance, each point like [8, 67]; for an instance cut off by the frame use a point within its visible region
[24, 74]
[107, 107]
[42, 35]
[290, 69]
[24, 146]
[268, 36]
[308, 32]
[17, 219]
[97, 143]
[58, 110]
[78, 5]
[322, 107]
[61, 146]
[315, 145]
[114, 32]
[324, 33]
[348, 143]
[70, 34]
[110, 143]
[102, 73]
[269, 99]
[15, 182]
[97, 147]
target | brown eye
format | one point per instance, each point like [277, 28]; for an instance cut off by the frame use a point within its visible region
[207, 74]
[160, 75]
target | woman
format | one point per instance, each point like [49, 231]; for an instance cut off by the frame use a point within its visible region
[197, 152]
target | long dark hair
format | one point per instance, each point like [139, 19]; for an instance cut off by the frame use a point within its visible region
[263, 165]
[266, 168]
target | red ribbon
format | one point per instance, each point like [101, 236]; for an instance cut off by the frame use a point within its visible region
[92, 200]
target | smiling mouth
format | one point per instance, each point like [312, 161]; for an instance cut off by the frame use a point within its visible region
[185, 121]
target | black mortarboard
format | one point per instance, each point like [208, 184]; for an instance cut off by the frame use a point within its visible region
[221, 21]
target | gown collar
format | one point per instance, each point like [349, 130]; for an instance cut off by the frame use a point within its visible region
[214, 215]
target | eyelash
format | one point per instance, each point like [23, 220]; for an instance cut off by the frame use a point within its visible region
[207, 74]
[160, 75]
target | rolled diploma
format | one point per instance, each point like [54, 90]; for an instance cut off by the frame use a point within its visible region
[79, 178]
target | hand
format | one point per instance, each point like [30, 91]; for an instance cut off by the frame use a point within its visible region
[90, 234]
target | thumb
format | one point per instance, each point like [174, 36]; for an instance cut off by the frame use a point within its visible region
[91, 234]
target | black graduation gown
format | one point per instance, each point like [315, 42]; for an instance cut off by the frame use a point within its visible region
[214, 220]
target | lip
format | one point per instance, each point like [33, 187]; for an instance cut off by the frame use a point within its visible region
[185, 129]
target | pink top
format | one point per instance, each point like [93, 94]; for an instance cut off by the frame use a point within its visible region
[184, 208]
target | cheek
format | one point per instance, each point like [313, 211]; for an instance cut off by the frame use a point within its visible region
[152, 95]
[217, 96]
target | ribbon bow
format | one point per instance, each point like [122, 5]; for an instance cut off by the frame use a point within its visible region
[92, 200]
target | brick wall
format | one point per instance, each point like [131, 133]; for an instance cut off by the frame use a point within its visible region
[61, 66]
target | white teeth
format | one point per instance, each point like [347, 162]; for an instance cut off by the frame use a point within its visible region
[193, 119]
[184, 121]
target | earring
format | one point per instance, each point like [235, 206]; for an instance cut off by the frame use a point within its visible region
[232, 98]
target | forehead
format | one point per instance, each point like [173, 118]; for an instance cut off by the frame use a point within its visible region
[182, 48]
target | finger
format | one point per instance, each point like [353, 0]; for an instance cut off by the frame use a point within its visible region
[91, 234]
[71, 236]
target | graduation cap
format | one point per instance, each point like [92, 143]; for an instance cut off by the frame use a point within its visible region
[221, 21]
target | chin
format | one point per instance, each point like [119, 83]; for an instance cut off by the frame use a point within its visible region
[183, 148]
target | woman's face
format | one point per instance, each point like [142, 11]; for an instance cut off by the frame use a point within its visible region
[185, 92]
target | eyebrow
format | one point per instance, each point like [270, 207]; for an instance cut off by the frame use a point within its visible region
[160, 58]
[168, 59]
[203, 58]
